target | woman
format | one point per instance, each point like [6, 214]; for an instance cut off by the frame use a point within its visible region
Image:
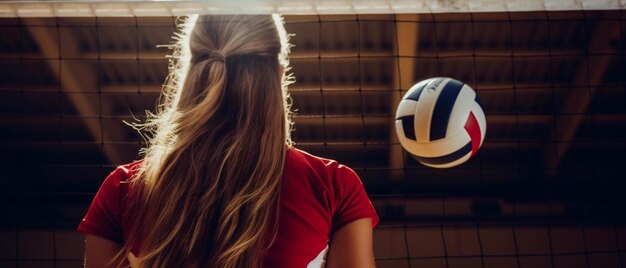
[219, 184]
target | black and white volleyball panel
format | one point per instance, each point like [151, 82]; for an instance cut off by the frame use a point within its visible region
[440, 122]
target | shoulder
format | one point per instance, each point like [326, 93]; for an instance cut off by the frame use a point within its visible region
[124, 173]
[103, 218]
[303, 161]
[127, 171]
[119, 178]
[327, 171]
[341, 188]
[307, 158]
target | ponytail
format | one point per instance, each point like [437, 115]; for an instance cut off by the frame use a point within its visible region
[208, 187]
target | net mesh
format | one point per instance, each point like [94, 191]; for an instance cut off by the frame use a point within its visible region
[545, 190]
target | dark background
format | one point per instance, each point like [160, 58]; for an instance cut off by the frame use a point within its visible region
[545, 190]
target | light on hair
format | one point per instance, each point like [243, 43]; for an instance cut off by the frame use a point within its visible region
[203, 167]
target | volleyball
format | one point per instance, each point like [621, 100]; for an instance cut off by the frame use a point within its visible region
[439, 122]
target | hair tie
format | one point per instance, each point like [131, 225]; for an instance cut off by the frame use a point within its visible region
[212, 56]
[217, 56]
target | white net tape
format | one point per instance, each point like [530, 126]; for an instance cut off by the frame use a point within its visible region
[70, 8]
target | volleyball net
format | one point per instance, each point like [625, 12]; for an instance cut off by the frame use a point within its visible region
[545, 190]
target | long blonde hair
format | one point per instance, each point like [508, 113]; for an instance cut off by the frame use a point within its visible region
[209, 184]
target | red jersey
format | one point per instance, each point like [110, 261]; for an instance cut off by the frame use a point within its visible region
[318, 196]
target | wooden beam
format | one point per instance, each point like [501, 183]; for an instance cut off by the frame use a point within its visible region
[407, 31]
[315, 55]
[315, 87]
[131, 88]
[127, 55]
[543, 119]
[511, 119]
[345, 121]
[78, 77]
[483, 88]
[576, 105]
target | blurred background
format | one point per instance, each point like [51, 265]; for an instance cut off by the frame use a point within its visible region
[545, 190]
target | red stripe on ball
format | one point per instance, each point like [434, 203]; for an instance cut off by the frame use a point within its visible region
[473, 129]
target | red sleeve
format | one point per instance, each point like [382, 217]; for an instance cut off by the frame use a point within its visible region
[103, 217]
[351, 199]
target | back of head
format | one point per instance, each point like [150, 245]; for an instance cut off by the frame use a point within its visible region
[210, 181]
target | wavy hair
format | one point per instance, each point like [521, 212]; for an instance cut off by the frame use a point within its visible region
[209, 184]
